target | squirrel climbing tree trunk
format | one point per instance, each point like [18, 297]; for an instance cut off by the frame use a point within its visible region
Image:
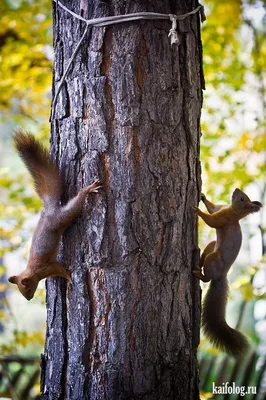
[127, 326]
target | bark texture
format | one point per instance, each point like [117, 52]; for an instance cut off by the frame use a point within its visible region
[127, 326]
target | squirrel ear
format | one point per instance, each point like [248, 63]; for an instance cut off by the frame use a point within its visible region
[25, 281]
[13, 279]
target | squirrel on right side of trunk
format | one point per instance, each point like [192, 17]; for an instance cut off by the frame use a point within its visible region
[55, 218]
[216, 261]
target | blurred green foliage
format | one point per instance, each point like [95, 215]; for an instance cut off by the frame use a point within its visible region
[26, 54]
[233, 124]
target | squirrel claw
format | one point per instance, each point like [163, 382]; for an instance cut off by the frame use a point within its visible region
[98, 187]
[195, 209]
[202, 197]
[94, 186]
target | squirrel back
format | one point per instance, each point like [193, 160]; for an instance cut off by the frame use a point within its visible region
[213, 320]
[43, 170]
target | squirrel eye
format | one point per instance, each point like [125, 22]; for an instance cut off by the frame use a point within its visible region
[242, 199]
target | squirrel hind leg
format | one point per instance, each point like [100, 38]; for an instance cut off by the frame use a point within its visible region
[197, 272]
[211, 262]
[208, 249]
[213, 265]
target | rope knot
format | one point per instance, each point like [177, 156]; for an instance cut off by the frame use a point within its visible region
[173, 33]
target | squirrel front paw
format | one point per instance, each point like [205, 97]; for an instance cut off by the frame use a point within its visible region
[195, 209]
[202, 197]
[94, 187]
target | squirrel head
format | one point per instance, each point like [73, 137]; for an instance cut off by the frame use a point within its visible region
[242, 204]
[27, 284]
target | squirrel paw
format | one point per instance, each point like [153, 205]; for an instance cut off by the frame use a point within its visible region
[202, 197]
[197, 273]
[195, 209]
[94, 186]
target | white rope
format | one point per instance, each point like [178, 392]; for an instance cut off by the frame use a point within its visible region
[117, 19]
[173, 32]
[67, 69]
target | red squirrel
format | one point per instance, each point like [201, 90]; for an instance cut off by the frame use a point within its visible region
[54, 219]
[216, 261]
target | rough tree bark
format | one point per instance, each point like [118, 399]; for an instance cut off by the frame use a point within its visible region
[127, 326]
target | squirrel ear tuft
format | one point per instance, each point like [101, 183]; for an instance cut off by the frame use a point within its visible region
[13, 279]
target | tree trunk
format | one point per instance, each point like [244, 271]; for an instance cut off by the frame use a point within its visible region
[127, 326]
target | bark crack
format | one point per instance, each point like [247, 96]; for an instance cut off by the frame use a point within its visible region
[92, 328]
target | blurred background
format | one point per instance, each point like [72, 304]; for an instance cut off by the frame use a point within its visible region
[233, 154]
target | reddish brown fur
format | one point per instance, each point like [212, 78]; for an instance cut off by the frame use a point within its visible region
[45, 173]
[216, 261]
[54, 217]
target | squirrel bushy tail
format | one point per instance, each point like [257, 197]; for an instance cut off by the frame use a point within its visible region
[213, 320]
[44, 172]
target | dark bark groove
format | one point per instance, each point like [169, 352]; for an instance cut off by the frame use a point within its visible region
[127, 326]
